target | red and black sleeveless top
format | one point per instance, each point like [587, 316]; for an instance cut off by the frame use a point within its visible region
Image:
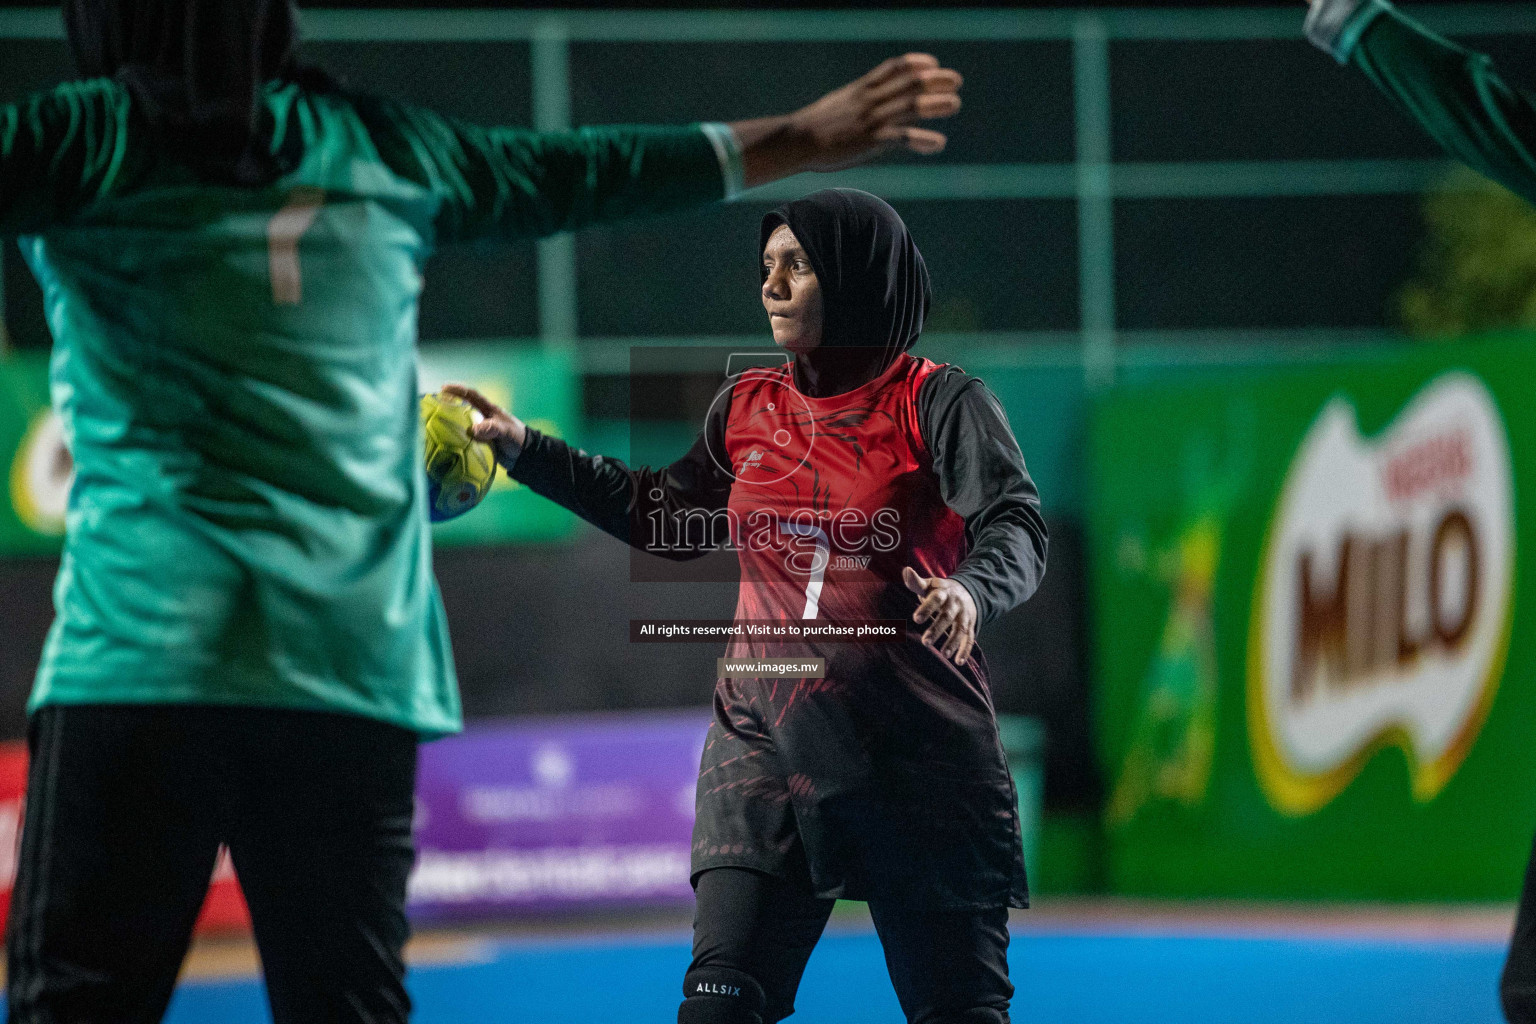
[831, 497]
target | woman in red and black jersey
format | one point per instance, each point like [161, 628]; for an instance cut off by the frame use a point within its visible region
[858, 483]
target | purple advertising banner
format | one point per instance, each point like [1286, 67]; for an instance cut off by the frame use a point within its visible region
[554, 813]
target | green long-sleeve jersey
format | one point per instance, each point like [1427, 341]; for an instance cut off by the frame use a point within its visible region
[236, 372]
[1456, 94]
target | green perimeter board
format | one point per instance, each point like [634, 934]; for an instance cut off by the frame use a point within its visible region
[540, 386]
[1207, 461]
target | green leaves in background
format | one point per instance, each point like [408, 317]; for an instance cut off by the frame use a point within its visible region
[1477, 267]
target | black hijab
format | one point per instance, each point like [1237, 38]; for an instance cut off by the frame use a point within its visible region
[874, 285]
[196, 68]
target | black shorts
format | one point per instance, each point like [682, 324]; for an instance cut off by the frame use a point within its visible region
[889, 773]
[126, 809]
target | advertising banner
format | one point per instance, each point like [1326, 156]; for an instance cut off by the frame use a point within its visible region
[13, 790]
[541, 387]
[1314, 656]
[37, 467]
[538, 815]
[552, 814]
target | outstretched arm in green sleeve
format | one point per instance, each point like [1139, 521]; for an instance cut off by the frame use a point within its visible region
[508, 181]
[1456, 94]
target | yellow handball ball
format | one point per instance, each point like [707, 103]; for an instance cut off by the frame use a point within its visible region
[460, 470]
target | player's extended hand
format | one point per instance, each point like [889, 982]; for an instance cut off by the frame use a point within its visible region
[951, 609]
[501, 430]
[868, 116]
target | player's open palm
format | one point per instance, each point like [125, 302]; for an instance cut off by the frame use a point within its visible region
[950, 610]
[879, 111]
[501, 430]
[874, 113]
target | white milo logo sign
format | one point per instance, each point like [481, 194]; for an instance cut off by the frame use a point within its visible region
[1381, 613]
[41, 475]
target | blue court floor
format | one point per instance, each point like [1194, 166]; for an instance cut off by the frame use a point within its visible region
[1067, 978]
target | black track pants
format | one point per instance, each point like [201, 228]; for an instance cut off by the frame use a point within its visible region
[126, 809]
[1517, 988]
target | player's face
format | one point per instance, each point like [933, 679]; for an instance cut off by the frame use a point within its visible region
[791, 293]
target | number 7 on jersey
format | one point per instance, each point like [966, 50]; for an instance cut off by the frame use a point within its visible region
[284, 230]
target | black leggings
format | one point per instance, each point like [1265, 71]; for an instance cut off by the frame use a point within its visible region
[946, 966]
[126, 808]
[1517, 987]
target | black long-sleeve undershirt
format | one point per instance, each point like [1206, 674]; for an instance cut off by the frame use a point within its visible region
[981, 471]
[619, 500]
[982, 477]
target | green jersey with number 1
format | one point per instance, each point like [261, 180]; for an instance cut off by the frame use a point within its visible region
[236, 372]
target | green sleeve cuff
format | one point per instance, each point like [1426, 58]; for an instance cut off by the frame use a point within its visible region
[1337, 25]
[728, 150]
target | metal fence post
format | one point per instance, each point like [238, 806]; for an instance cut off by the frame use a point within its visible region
[1095, 199]
[550, 65]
